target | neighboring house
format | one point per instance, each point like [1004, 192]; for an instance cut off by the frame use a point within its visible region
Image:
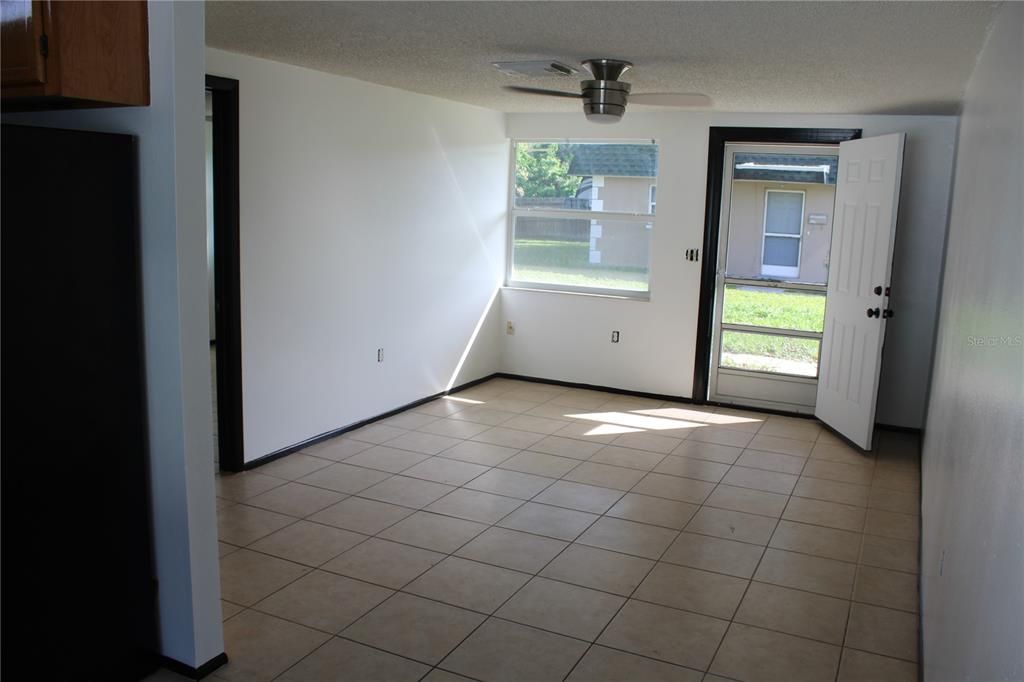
[618, 178]
[780, 217]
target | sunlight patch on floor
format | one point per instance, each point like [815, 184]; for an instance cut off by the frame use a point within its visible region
[610, 429]
[639, 421]
[467, 401]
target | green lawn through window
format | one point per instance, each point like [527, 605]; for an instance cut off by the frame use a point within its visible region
[551, 261]
[766, 307]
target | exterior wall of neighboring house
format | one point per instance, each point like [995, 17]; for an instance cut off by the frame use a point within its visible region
[628, 195]
[746, 228]
[612, 242]
[618, 243]
[621, 244]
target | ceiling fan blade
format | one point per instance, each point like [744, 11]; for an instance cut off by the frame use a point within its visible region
[542, 91]
[670, 99]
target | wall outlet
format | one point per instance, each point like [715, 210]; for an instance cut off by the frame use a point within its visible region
[510, 328]
[615, 336]
[380, 355]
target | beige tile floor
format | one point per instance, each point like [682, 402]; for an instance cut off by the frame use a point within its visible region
[521, 531]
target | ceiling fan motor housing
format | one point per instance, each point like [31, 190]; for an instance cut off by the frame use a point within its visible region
[604, 101]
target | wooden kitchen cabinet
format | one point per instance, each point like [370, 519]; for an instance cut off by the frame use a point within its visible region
[59, 54]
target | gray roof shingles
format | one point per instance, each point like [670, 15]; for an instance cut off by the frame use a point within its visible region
[774, 175]
[623, 160]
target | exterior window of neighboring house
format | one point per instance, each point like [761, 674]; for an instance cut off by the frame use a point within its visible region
[783, 226]
[582, 215]
[653, 201]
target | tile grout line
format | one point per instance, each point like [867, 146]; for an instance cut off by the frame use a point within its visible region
[486, 618]
[647, 575]
[391, 596]
[426, 509]
[523, 502]
[518, 590]
[750, 580]
[625, 602]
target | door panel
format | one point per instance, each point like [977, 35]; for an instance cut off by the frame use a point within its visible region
[21, 27]
[867, 199]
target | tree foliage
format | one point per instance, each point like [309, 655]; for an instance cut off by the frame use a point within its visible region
[542, 170]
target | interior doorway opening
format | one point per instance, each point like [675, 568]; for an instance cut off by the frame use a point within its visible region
[222, 173]
[775, 234]
[784, 354]
[770, 205]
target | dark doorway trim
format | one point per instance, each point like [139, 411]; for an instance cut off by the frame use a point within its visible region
[227, 271]
[717, 138]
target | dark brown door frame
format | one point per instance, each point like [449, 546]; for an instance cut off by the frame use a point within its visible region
[717, 138]
[227, 271]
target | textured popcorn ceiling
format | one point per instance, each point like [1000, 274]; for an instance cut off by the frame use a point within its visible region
[814, 57]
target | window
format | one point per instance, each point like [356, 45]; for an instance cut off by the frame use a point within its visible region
[653, 201]
[772, 329]
[582, 216]
[783, 224]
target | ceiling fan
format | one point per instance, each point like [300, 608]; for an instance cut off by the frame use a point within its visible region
[605, 97]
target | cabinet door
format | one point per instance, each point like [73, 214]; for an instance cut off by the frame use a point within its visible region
[21, 32]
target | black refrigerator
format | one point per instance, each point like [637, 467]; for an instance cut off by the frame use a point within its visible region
[78, 583]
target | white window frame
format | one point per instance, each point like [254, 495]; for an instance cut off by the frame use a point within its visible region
[783, 270]
[593, 216]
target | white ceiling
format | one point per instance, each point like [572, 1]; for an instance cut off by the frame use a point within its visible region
[813, 57]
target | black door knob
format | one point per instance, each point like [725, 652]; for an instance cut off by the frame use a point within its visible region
[873, 312]
[887, 313]
[878, 290]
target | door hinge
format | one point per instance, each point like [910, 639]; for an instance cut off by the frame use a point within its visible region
[44, 45]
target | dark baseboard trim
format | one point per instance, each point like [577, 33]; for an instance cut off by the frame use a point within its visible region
[194, 673]
[283, 452]
[591, 387]
[644, 394]
[680, 399]
[899, 429]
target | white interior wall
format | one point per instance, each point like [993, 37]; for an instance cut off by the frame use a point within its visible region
[370, 218]
[567, 337]
[174, 290]
[972, 554]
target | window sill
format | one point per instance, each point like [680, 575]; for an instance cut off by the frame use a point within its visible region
[642, 298]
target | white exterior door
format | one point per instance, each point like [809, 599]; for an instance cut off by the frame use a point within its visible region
[860, 265]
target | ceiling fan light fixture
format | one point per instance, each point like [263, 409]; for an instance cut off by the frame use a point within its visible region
[605, 96]
[607, 69]
[604, 101]
[603, 118]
